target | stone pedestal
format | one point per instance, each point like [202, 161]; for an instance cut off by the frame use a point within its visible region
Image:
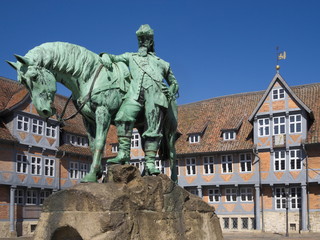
[127, 207]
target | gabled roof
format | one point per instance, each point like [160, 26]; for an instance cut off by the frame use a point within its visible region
[279, 78]
[228, 112]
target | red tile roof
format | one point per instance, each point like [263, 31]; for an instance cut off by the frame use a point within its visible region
[7, 90]
[228, 112]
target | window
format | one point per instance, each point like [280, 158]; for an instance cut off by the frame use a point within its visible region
[19, 196]
[35, 165]
[295, 122]
[278, 94]
[74, 170]
[37, 126]
[193, 191]
[245, 223]
[137, 165]
[214, 195]
[43, 196]
[230, 135]
[253, 223]
[295, 195]
[135, 140]
[295, 160]
[23, 123]
[114, 147]
[246, 194]
[194, 138]
[279, 125]
[84, 169]
[234, 223]
[191, 166]
[51, 130]
[231, 194]
[280, 198]
[245, 162]
[279, 160]
[49, 167]
[264, 127]
[159, 166]
[32, 196]
[226, 163]
[226, 224]
[208, 165]
[21, 163]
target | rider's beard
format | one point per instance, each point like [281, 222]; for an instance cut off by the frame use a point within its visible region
[143, 51]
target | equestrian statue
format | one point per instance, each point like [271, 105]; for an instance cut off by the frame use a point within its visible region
[126, 90]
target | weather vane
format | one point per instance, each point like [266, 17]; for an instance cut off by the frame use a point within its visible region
[280, 56]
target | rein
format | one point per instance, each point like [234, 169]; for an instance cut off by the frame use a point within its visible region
[86, 99]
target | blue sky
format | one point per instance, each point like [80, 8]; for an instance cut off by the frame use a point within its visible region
[215, 47]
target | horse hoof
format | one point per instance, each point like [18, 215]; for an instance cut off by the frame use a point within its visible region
[89, 178]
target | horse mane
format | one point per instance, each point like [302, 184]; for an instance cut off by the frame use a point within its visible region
[65, 57]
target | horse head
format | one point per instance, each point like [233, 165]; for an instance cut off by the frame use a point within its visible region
[40, 83]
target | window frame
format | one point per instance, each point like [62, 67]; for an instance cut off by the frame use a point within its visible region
[280, 160]
[24, 123]
[191, 166]
[295, 123]
[245, 162]
[49, 167]
[229, 135]
[24, 161]
[225, 161]
[38, 125]
[276, 92]
[194, 138]
[135, 140]
[83, 169]
[278, 125]
[281, 199]
[208, 165]
[35, 166]
[246, 192]
[214, 195]
[52, 130]
[263, 126]
[74, 170]
[231, 193]
[297, 158]
[33, 197]
[295, 199]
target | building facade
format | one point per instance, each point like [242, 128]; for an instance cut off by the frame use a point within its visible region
[254, 156]
[37, 158]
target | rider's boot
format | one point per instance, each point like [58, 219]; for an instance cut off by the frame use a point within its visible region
[124, 137]
[151, 148]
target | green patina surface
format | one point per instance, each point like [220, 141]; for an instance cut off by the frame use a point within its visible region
[129, 91]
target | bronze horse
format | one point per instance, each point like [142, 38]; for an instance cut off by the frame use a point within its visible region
[97, 93]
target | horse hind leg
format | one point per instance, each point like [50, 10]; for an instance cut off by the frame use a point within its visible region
[103, 119]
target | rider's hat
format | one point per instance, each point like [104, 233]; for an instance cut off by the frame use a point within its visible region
[144, 30]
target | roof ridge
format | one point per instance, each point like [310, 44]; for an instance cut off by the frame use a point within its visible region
[244, 93]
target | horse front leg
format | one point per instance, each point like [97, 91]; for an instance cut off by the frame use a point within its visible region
[103, 119]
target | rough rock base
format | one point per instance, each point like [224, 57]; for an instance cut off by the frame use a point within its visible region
[128, 206]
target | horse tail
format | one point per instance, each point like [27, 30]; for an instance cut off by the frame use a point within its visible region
[167, 147]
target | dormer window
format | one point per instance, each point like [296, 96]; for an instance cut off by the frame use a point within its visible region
[278, 94]
[194, 138]
[229, 135]
[114, 147]
[77, 140]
